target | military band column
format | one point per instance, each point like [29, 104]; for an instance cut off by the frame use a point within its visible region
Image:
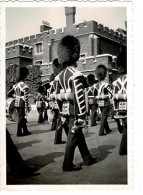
[67, 102]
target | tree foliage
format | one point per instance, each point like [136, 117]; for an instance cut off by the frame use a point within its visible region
[33, 80]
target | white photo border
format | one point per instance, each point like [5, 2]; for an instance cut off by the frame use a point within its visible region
[67, 188]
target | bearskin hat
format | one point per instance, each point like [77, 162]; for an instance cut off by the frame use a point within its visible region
[57, 68]
[121, 62]
[101, 72]
[91, 79]
[68, 50]
[21, 73]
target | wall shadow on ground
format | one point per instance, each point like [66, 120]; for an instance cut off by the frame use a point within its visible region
[42, 161]
[35, 123]
[101, 152]
[39, 131]
[27, 144]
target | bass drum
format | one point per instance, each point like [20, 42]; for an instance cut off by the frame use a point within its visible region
[11, 111]
[99, 114]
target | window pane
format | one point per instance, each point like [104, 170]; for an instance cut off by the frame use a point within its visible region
[38, 47]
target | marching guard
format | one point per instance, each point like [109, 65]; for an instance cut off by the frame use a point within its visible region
[92, 101]
[59, 123]
[103, 97]
[53, 104]
[21, 91]
[70, 93]
[120, 100]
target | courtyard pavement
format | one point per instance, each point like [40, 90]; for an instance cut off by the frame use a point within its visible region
[38, 149]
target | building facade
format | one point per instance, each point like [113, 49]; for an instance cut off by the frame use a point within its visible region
[99, 45]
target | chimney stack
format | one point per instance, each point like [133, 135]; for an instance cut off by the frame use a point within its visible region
[45, 26]
[70, 16]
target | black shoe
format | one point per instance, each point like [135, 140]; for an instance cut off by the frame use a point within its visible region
[123, 153]
[27, 133]
[40, 122]
[26, 171]
[109, 131]
[102, 134]
[62, 142]
[91, 162]
[94, 125]
[19, 135]
[74, 168]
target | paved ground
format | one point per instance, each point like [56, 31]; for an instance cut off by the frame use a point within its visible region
[39, 150]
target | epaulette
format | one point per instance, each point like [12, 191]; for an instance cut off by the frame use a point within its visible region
[14, 86]
[51, 83]
[25, 87]
[57, 78]
[106, 85]
[114, 83]
[77, 74]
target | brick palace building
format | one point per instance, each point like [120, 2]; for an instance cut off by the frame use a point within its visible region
[99, 45]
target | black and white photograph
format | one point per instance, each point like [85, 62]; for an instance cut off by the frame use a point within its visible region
[65, 90]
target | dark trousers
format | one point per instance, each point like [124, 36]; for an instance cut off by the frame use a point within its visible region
[73, 140]
[21, 124]
[104, 122]
[13, 158]
[120, 126]
[93, 108]
[40, 117]
[55, 119]
[60, 126]
[123, 144]
[45, 114]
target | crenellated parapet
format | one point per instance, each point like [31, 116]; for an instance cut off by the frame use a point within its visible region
[78, 30]
[18, 49]
[51, 34]
[101, 31]
[26, 40]
[88, 28]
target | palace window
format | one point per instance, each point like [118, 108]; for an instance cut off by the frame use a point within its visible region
[83, 57]
[38, 48]
[38, 62]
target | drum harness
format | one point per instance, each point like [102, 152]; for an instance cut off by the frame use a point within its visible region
[78, 123]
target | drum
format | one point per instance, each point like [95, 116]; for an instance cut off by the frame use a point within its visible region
[102, 100]
[91, 100]
[120, 106]
[65, 108]
[11, 112]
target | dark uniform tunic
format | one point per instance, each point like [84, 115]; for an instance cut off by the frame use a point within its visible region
[92, 103]
[69, 81]
[21, 103]
[57, 123]
[54, 105]
[104, 104]
[120, 87]
[40, 103]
